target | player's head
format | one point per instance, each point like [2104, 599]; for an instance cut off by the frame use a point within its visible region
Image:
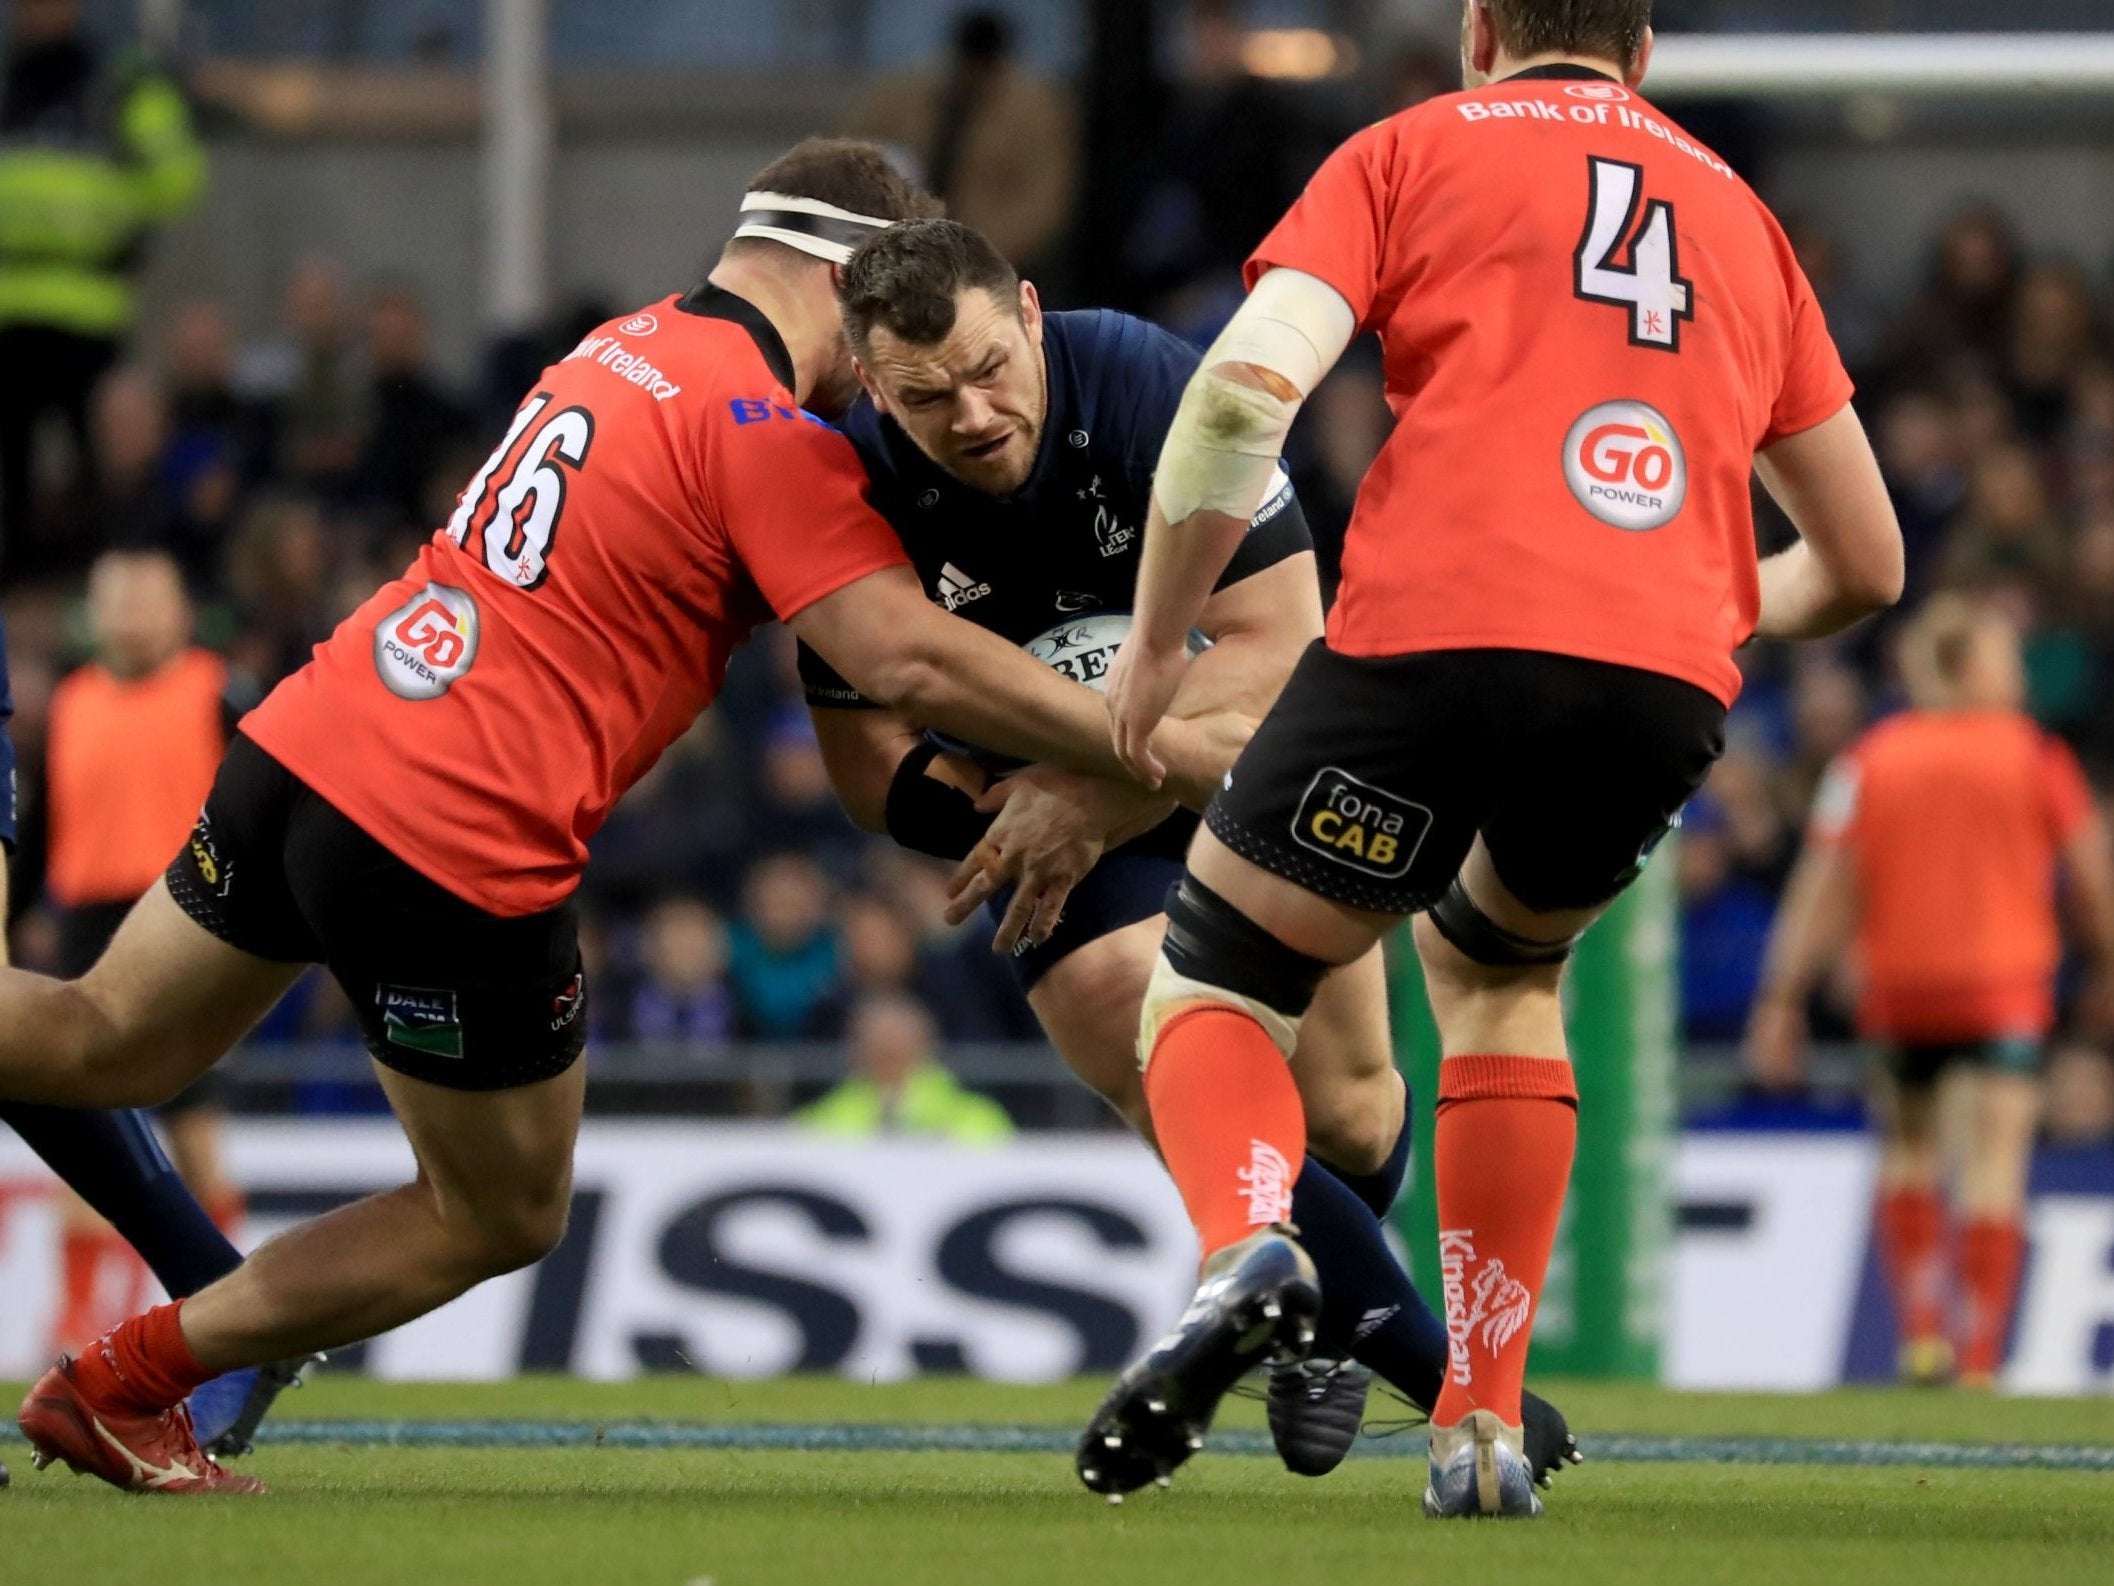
[1499, 35]
[138, 612]
[949, 344]
[802, 217]
[1963, 654]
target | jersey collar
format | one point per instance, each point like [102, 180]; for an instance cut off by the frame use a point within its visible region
[716, 302]
[1559, 72]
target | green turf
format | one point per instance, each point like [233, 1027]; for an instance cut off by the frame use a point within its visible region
[354, 1516]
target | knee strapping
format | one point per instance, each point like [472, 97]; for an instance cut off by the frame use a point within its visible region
[1479, 937]
[1214, 954]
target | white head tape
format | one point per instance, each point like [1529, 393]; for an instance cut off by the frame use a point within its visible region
[821, 230]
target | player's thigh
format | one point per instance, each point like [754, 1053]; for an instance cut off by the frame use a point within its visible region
[1989, 1106]
[1345, 1067]
[497, 1163]
[1089, 1004]
[1353, 805]
[169, 998]
[1595, 764]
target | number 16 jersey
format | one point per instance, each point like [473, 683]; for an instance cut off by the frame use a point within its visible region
[1590, 326]
[658, 496]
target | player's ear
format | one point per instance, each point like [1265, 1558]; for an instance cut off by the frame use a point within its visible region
[1479, 45]
[1031, 313]
[1643, 62]
[868, 384]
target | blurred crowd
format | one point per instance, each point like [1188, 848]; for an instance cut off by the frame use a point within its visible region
[290, 457]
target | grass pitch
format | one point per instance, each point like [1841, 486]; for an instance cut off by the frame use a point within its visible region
[508, 1484]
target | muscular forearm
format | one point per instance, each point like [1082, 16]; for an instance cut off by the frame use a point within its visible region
[1181, 565]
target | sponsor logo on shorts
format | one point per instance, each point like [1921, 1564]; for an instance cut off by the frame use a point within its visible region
[423, 646]
[1625, 465]
[1369, 829]
[213, 870]
[421, 1019]
[566, 1005]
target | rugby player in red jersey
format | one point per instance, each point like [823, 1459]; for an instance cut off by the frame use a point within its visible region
[1593, 330]
[413, 807]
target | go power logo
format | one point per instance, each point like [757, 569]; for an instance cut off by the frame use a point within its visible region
[423, 646]
[1625, 465]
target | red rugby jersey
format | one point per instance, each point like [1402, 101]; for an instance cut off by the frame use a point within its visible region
[659, 495]
[1590, 327]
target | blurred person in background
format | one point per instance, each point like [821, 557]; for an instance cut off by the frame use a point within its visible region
[2055, 338]
[899, 1085]
[783, 949]
[130, 502]
[2008, 526]
[682, 994]
[1234, 151]
[1936, 846]
[306, 381]
[1964, 312]
[997, 144]
[277, 573]
[411, 419]
[134, 738]
[96, 149]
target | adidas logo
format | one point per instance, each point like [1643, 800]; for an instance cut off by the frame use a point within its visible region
[957, 588]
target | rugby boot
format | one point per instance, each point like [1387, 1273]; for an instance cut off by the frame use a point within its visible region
[1478, 1469]
[1259, 1300]
[1546, 1438]
[139, 1451]
[227, 1411]
[1316, 1407]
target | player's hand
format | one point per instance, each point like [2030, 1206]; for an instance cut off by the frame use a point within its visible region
[1052, 828]
[1776, 1045]
[1141, 685]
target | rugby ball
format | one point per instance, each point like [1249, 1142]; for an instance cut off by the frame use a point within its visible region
[1084, 648]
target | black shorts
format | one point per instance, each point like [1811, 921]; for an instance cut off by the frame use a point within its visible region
[1918, 1065]
[84, 931]
[1371, 777]
[1127, 886]
[444, 991]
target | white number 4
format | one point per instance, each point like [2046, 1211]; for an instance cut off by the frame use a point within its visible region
[1650, 285]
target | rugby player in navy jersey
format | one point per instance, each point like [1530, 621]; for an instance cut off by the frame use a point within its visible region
[1013, 450]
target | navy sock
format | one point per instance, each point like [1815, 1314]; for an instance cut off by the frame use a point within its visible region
[1381, 1188]
[1370, 1310]
[114, 1163]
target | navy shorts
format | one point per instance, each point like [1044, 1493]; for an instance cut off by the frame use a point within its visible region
[1128, 885]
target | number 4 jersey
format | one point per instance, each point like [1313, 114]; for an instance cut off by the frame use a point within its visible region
[657, 497]
[1591, 325]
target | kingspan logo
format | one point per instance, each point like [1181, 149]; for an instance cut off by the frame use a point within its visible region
[1626, 466]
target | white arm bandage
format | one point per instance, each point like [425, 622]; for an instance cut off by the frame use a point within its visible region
[1227, 435]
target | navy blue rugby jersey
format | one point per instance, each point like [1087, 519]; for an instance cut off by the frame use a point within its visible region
[1064, 550]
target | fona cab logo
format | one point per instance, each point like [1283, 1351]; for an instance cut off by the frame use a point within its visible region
[1626, 466]
[423, 646]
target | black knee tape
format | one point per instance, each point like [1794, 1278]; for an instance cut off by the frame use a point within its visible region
[1211, 941]
[1481, 938]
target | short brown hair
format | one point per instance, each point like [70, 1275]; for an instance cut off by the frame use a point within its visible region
[1604, 29]
[908, 278]
[844, 172]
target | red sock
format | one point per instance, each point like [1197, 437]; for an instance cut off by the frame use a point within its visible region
[142, 1364]
[80, 1263]
[1992, 1249]
[1228, 1116]
[1912, 1251]
[1507, 1127]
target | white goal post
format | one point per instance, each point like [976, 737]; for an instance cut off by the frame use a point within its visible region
[1787, 65]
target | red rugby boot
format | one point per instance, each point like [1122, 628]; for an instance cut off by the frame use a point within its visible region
[141, 1452]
